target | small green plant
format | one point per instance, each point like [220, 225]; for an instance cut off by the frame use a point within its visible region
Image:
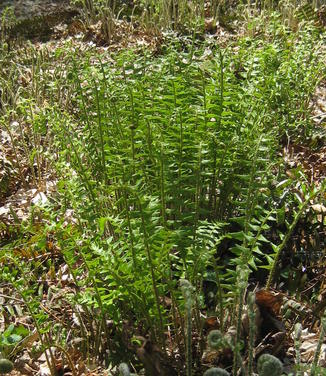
[6, 366]
[11, 337]
[8, 341]
[217, 341]
[269, 365]
[216, 372]
[124, 369]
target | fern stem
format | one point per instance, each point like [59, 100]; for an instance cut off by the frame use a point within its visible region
[70, 362]
[84, 109]
[187, 290]
[100, 129]
[132, 130]
[81, 170]
[318, 349]
[97, 294]
[236, 355]
[215, 175]
[297, 344]
[35, 146]
[286, 238]
[131, 234]
[17, 163]
[162, 187]
[252, 329]
[151, 265]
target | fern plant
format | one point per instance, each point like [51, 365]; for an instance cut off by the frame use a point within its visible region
[171, 169]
